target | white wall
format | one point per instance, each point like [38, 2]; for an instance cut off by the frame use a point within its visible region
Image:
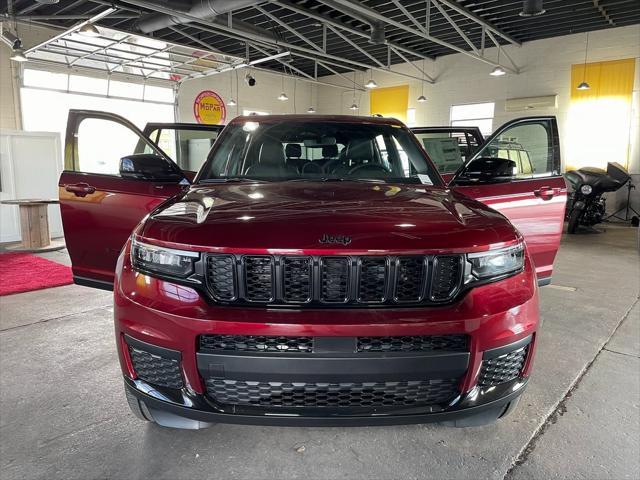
[260, 97]
[545, 70]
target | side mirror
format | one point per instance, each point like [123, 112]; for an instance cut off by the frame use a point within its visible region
[488, 170]
[149, 167]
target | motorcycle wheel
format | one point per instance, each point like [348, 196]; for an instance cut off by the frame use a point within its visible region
[574, 221]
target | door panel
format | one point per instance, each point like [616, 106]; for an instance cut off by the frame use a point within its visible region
[534, 201]
[99, 208]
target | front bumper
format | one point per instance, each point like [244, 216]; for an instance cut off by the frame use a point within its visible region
[167, 320]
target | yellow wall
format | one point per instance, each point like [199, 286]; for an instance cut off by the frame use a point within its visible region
[390, 102]
[599, 119]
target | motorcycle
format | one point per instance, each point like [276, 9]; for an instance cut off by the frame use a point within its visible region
[585, 205]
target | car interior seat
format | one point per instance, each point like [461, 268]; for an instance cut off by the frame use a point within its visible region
[271, 161]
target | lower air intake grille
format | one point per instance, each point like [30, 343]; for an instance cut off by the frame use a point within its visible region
[255, 343]
[503, 368]
[161, 371]
[378, 394]
[452, 343]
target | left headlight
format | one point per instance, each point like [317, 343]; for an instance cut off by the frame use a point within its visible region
[496, 263]
[161, 260]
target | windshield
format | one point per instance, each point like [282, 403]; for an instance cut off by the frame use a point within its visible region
[292, 150]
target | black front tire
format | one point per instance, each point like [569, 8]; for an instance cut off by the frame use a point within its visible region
[574, 221]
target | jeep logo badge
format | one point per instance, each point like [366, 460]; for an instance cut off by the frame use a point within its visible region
[329, 239]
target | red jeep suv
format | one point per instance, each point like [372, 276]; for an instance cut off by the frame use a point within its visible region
[317, 270]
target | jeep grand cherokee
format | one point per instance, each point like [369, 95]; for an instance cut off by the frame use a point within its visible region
[316, 271]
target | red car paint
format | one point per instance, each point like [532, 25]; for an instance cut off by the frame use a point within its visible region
[289, 218]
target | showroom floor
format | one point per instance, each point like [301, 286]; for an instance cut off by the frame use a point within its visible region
[63, 413]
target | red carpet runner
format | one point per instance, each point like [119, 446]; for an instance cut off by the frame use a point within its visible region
[23, 272]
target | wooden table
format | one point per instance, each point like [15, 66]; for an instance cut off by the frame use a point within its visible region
[34, 224]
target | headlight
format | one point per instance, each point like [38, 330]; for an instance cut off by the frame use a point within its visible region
[165, 261]
[496, 263]
[586, 189]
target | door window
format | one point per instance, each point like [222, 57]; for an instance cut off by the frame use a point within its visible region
[529, 145]
[188, 147]
[101, 145]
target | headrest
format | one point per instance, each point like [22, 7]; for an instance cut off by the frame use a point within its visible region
[330, 151]
[271, 153]
[293, 150]
[360, 149]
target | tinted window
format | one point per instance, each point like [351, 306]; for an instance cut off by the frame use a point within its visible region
[528, 144]
[188, 147]
[318, 150]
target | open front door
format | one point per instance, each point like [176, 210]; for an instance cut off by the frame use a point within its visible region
[534, 198]
[105, 190]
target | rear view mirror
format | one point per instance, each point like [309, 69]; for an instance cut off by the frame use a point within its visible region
[488, 170]
[150, 167]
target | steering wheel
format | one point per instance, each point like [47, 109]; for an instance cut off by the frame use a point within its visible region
[311, 167]
[373, 167]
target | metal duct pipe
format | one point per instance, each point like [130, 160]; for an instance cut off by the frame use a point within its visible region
[378, 33]
[205, 9]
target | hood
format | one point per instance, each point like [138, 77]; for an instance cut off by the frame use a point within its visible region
[327, 216]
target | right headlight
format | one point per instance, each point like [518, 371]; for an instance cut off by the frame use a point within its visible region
[496, 263]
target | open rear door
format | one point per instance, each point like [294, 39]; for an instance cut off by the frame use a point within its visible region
[100, 208]
[534, 199]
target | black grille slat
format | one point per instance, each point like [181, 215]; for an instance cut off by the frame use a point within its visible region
[221, 278]
[431, 343]
[410, 279]
[297, 272]
[356, 281]
[255, 343]
[334, 279]
[446, 277]
[161, 371]
[258, 278]
[372, 279]
[502, 369]
[336, 395]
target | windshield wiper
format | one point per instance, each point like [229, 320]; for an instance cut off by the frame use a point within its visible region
[230, 180]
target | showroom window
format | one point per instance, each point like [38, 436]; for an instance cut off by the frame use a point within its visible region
[473, 115]
[47, 97]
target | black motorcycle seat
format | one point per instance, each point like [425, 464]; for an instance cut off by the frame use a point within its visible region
[596, 177]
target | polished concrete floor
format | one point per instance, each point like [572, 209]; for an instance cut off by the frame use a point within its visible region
[63, 413]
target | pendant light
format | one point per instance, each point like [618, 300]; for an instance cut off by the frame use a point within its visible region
[354, 105]
[584, 85]
[89, 30]
[498, 71]
[422, 98]
[283, 97]
[371, 83]
[311, 109]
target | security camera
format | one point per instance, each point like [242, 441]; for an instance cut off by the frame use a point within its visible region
[249, 80]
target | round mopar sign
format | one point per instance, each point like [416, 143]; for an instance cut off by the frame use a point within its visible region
[209, 108]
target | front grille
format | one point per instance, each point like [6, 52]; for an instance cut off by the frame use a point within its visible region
[338, 280]
[502, 369]
[451, 343]
[154, 369]
[302, 394]
[258, 278]
[446, 277]
[255, 343]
